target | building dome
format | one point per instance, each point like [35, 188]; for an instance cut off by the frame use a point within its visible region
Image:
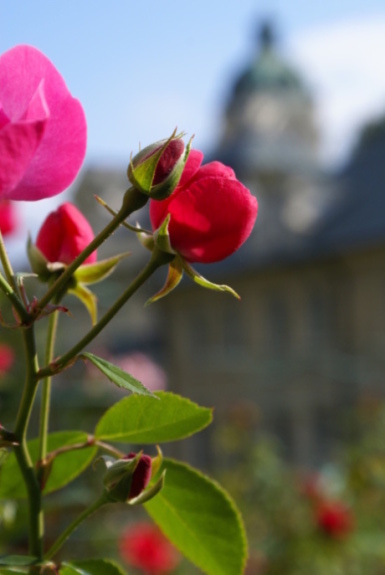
[269, 121]
[268, 71]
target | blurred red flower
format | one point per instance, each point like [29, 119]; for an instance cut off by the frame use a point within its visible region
[335, 519]
[7, 357]
[8, 218]
[145, 547]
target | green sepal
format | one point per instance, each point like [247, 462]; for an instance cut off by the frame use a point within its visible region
[98, 271]
[162, 237]
[203, 282]
[146, 239]
[88, 298]
[118, 376]
[150, 492]
[174, 276]
[38, 261]
[118, 477]
[157, 462]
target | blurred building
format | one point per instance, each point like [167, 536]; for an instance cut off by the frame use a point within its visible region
[307, 339]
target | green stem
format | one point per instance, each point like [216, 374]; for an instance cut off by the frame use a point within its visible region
[110, 449]
[158, 259]
[103, 499]
[46, 392]
[36, 529]
[7, 289]
[133, 200]
[6, 264]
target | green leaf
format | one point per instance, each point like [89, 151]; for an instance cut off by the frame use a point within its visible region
[92, 567]
[87, 298]
[199, 517]
[4, 571]
[117, 375]
[66, 466]
[139, 419]
[67, 569]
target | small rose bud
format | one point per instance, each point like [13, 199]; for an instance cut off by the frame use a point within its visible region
[141, 475]
[127, 478]
[64, 235]
[157, 169]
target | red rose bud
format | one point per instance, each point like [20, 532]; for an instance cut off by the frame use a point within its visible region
[141, 475]
[335, 519]
[127, 478]
[211, 212]
[157, 169]
[64, 235]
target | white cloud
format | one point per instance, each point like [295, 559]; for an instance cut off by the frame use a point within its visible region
[344, 64]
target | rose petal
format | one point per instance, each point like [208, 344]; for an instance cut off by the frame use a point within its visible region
[61, 151]
[211, 219]
[18, 145]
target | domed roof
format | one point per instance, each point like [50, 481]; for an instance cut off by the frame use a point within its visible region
[268, 71]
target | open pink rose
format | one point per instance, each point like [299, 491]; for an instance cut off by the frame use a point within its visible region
[212, 213]
[64, 234]
[42, 127]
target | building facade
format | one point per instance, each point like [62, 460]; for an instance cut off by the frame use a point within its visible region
[306, 341]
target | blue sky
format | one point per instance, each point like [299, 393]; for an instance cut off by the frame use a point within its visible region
[141, 68]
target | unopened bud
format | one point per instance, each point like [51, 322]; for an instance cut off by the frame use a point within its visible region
[157, 169]
[128, 477]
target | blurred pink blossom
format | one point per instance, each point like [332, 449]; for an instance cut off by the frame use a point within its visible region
[143, 368]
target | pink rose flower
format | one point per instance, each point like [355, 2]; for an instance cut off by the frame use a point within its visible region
[64, 234]
[8, 217]
[145, 547]
[42, 127]
[212, 213]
